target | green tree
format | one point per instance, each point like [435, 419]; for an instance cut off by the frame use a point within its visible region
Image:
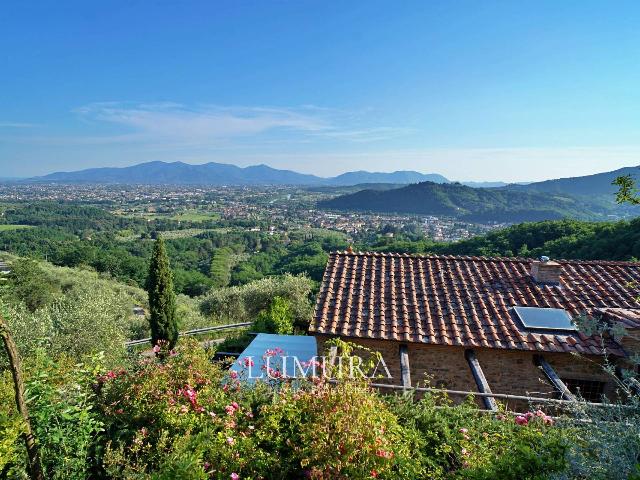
[278, 318]
[162, 298]
[220, 270]
[29, 284]
[628, 191]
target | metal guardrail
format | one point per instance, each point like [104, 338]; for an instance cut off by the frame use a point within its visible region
[196, 331]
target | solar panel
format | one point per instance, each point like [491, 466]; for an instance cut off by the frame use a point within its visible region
[285, 353]
[544, 318]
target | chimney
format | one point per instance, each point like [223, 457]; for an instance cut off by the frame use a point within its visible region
[546, 271]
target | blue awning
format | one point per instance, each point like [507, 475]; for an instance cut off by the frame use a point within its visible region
[287, 354]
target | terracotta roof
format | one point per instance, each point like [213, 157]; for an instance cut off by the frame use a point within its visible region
[465, 301]
[629, 318]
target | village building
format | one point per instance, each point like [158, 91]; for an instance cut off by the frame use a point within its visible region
[497, 325]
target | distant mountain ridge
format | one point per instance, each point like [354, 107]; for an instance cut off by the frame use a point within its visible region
[589, 198]
[596, 184]
[226, 174]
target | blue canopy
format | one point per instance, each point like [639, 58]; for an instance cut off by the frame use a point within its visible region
[287, 354]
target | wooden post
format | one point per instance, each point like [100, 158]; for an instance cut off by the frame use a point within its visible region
[481, 381]
[555, 380]
[35, 468]
[405, 371]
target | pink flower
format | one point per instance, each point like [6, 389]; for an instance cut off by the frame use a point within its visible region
[547, 420]
[156, 348]
[463, 430]
[233, 374]
[235, 476]
[230, 440]
[248, 362]
[383, 453]
[521, 420]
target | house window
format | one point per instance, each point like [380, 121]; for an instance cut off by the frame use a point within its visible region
[590, 390]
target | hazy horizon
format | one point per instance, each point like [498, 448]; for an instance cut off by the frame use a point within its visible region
[318, 175]
[475, 92]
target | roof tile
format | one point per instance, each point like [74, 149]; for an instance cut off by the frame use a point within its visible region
[467, 300]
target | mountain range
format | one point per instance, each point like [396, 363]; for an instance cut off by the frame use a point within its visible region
[180, 173]
[590, 198]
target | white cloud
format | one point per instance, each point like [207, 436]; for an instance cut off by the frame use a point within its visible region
[171, 123]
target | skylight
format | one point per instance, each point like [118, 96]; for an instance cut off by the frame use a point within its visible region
[544, 318]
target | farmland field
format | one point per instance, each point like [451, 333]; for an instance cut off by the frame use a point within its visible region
[195, 216]
[6, 228]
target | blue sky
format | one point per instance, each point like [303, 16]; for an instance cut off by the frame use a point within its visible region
[473, 90]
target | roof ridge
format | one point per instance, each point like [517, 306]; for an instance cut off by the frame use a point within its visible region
[483, 258]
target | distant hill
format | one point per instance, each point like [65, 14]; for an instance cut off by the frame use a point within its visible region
[404, 177]
[177, 173]
[598, 184]
[473, 204]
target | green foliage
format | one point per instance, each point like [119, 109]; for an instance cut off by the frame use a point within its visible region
[244, 303]
[278, 318]
[462, 442]
[191, 282]
[472, 204]
[11, 430]
[81, 323]
[162, 299]
[604, 444]
[28, 283]
[220, 270]
[558, 239]
[336, 432]
[628, 191]
[61, 403]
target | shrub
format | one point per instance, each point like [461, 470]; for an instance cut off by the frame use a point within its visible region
[12, 453]
[327, 432]
[604, 442]
[462, 442]
[278, 318]
[244, 303]
[65, 424]
[81, 323]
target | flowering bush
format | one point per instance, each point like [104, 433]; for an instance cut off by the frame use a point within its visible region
[184, 417]
[342, 431]
[462, 442]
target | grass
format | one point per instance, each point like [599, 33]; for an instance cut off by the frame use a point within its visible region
[195, 216]
[6, 228]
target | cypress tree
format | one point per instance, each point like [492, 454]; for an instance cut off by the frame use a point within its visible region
[162, 299]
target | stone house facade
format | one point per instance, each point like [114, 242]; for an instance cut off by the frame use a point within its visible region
[453, 319]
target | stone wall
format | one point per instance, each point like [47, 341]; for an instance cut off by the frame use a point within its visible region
[506, 371]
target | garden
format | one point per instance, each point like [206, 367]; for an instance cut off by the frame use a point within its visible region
[95, 410]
